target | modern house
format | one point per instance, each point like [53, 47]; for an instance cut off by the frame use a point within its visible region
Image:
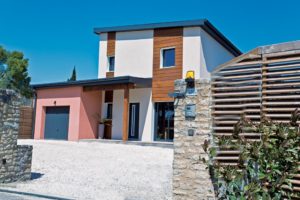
[138, 65]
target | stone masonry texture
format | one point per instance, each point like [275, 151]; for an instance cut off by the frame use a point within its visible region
[191, 178]
[15, 160]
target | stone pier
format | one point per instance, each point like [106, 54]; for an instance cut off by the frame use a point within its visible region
[191, 179]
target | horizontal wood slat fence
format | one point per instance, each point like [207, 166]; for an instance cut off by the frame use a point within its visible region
[265, 81]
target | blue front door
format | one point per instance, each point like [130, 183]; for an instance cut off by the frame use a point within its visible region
[57, 122]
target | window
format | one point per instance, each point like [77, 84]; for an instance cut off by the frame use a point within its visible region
[111, 63]
[109, 111]
[167, 57]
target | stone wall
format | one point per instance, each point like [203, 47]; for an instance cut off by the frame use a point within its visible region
[15, 160]
[191, 179]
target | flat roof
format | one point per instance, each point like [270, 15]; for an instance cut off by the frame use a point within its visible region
[139, 82]
[203, 23]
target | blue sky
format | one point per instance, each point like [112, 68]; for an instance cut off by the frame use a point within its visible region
[57, 34]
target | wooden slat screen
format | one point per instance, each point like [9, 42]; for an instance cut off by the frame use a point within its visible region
[163, 78]
[265, 81]
[26, 122]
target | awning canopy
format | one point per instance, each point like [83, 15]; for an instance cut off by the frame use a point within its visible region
[120, 82]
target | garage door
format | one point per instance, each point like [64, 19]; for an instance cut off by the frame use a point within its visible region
[57, 123]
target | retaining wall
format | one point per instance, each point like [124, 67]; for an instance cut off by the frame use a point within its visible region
[15, 160]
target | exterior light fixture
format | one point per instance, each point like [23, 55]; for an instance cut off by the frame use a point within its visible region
[190, 83]
[190, 75]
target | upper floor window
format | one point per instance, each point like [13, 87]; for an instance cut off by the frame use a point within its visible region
[111, 63]
[167, 57]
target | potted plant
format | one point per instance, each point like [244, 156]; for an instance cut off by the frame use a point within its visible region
[102, 123]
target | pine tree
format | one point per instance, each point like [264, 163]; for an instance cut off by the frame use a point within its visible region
[73, 76]
[14, 72]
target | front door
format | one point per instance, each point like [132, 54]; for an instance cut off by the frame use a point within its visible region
[134, 114]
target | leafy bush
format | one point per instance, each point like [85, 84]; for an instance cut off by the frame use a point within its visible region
[265, 166]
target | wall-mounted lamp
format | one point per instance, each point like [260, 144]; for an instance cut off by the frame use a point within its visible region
[190, 82]
[190, 75]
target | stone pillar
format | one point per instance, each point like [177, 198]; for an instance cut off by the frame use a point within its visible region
[191, 179]
[15, 160]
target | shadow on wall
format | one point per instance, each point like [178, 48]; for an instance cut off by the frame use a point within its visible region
[214, 53]
[36, 175]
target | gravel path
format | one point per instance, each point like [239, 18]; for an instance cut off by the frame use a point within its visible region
[83, 170]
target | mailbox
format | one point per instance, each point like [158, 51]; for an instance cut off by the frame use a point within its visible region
[191, 132]
[190, 111]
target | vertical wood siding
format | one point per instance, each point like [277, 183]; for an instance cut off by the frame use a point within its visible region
[26, 119]
[163, 79]
[111, 47]
[110, 74]
[111, 43]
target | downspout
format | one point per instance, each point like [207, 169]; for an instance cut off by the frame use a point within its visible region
[34, 114]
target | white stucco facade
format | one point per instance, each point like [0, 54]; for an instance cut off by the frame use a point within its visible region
[141, 96]
[191, 51]
[117, 116]
[134, 53]
[102, 63]
[202, 53]
[134, 57]
[212, 54]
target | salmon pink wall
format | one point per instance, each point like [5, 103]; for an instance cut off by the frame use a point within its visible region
[90, 109]
[82, 125]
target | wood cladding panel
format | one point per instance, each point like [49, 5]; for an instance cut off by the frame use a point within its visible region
[163, 78]
[110, 74]
[111, 43]
[111, 47]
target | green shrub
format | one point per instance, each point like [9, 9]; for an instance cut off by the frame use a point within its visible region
[265, 167]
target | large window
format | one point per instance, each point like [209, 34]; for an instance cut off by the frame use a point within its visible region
[167, 57]
[164, 121]
[111, 63]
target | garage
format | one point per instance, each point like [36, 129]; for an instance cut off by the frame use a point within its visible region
[57, 122]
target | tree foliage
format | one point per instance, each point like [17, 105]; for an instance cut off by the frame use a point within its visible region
[14, 72]
[265, 167]
[73, 76]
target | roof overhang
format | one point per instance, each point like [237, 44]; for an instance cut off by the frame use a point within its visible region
[101, 84]
[203, 23]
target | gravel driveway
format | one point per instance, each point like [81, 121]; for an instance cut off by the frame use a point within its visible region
[83, 170]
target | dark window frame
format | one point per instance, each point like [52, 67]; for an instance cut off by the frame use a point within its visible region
[109, 111]
[111, 63]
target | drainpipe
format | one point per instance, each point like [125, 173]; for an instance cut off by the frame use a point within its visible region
[33, 116]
